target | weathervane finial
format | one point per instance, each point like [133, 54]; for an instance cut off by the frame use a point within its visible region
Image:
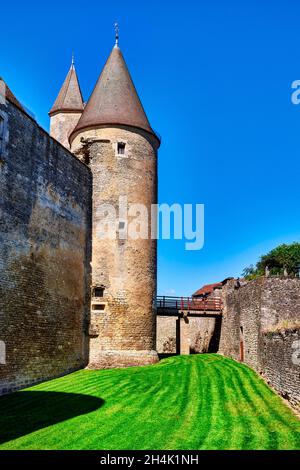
[116, 25]
[72, 63]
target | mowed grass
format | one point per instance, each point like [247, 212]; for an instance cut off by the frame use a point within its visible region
[184, 402]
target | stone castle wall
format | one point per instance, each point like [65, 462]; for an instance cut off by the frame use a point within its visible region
[261, 326]
[280, 362]
[45, 204]
[201, 335]
[166, 335]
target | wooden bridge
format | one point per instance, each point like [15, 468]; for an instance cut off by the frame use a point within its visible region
[191, 306]
[185, 308]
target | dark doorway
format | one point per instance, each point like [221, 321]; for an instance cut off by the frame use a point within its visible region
[178, 335]
[215, 339]
[241, 344]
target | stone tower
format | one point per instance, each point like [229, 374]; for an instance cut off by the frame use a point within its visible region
[114, 137]
[67, 109]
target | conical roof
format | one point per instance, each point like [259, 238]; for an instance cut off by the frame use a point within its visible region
[69, 98]
[114, 99]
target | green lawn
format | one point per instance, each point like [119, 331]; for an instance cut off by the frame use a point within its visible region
[184, 402]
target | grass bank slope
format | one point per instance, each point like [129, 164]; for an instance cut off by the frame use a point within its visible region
[184, 402]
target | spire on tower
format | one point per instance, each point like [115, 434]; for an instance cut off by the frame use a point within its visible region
[69, 98]
[116, 25]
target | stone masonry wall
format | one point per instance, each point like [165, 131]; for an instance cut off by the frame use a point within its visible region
[201, 336]
[280, 363]
[123, 320]
[45, 222]
[230, 332]
[61, 126]
[166, 335]
[262, 318]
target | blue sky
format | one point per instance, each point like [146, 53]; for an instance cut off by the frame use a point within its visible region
[215, 79]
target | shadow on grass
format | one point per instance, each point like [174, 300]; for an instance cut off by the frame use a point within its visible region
[25, 412]
[166, 355]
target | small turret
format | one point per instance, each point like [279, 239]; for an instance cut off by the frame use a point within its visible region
[67, 108]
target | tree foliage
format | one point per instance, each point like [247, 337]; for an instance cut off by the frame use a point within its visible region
[280, 258]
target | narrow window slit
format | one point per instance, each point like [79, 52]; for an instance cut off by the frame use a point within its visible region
[98, 307]
[121, 148]
[98, 291]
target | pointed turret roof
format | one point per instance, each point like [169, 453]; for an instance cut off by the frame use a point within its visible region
[69, 98]
[114, 99]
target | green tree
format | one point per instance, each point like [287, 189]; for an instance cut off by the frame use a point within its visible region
[280, 258]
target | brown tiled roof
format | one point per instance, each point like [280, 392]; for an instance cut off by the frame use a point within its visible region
[8, 94]
[70, 96]
[207, 289]
[114, 99]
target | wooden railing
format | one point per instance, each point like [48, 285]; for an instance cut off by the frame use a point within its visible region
[188, 303]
